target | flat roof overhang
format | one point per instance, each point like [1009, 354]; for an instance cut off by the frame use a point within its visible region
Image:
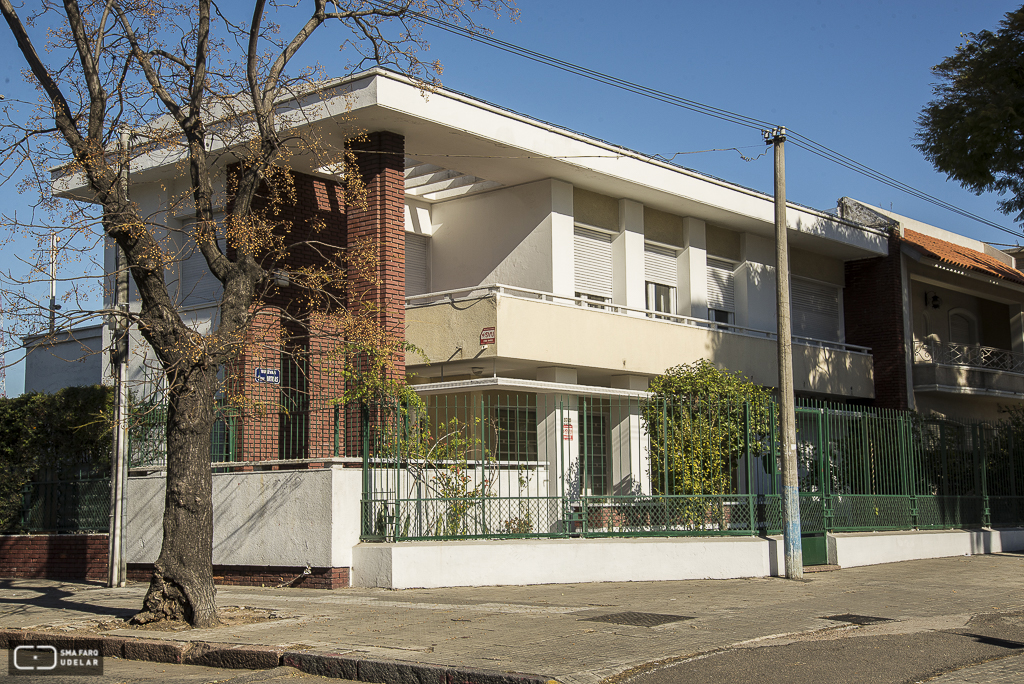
[457, 132]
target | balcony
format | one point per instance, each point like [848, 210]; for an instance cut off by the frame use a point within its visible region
[534, 329]
[967, 369]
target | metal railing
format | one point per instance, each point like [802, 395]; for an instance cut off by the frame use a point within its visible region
[66, 506]
[503, 464]
[608, 307]
[971, 355]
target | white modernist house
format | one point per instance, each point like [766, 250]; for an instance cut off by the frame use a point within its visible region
[548, 277]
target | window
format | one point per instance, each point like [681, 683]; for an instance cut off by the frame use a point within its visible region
[961, 329]
[594, 302]
[417, 264]
[815, 310]
[592, 260]
[721, 291]
[594, 453]
[661, 298]
[516, 429]
[661, 274]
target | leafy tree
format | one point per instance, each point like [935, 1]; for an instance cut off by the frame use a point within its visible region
[54, 436]
[697, 421]
[973, 131]
[202, 83]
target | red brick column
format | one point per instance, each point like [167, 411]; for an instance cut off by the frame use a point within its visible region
[873, 313]
[382, 222]
[327, 388]
[259, 401]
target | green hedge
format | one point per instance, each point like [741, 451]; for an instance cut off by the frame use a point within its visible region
[61, 436]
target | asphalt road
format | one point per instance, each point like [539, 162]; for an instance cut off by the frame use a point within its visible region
[855, 655]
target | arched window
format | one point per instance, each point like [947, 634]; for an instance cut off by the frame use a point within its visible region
[962, 328]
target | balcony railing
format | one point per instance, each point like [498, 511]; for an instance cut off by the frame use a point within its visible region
[970, 355]
[537, 295]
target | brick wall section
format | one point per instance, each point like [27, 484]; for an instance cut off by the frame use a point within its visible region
[382, 222]
[54, 556]
[259, 423]
[873, 313]
[252, 576]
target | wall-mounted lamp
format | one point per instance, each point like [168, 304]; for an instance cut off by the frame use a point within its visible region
[932, 299]
[477, 371]
[281, 278]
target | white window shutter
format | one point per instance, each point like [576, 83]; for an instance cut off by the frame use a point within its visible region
[815, 309]
[721, 285]
[417, 264]
[660, 265]
[592, 256]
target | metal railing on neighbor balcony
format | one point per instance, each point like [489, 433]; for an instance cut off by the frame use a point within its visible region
[608, 307]
[972, 355]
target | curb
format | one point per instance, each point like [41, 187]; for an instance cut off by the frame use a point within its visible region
[249, 657]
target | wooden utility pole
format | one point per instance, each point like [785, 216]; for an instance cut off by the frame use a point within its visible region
[787, 409]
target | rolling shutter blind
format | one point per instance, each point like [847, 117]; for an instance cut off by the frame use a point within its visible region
[417, 269]
[960, 330]
[660, 265]
[721, 285]
[592, 256]
[815, 308]
[197, 285]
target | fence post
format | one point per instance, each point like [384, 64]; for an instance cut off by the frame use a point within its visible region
[750, 469]
[986, 511]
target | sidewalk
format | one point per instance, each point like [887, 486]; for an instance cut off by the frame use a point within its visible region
[576, 634]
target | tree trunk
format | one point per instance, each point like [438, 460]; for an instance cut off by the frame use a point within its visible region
[182, 584]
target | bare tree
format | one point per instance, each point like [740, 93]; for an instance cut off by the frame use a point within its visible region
[198, 80]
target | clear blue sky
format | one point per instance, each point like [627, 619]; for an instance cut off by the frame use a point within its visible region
[850, 75]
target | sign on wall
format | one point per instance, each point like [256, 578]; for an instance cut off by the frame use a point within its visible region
[487, 336]
[268, 375]
[567, 430]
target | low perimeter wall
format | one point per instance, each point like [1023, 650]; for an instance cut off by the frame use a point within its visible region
[853, 549]
[563, 561]
[54, 556]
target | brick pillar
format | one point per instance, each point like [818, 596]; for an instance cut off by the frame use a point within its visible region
[382, 222]
[326, 386]
[873, 313]
[260, 402]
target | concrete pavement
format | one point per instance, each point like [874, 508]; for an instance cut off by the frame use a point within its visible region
[577, 634]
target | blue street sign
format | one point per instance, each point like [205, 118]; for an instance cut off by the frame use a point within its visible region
[269, 375]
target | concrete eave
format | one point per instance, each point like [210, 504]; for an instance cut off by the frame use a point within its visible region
[458, 132]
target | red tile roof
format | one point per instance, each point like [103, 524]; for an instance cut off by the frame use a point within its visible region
[963, 257]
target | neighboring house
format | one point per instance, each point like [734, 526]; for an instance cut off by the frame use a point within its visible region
[65, 359]
[942, 314]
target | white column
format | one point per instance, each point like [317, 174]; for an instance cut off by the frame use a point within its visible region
[628, 280]
[631, 458]
[755, 284]
[563, 270]
[692, 267]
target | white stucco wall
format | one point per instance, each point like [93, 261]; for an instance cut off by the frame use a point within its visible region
[556, 561]
[261, 518]
[503, 236]
[75, 358]
[871, 548]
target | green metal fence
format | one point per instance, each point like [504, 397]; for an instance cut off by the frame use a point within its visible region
[507, 464]
[66, 506]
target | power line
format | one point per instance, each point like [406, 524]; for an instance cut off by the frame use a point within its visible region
[798, 140]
